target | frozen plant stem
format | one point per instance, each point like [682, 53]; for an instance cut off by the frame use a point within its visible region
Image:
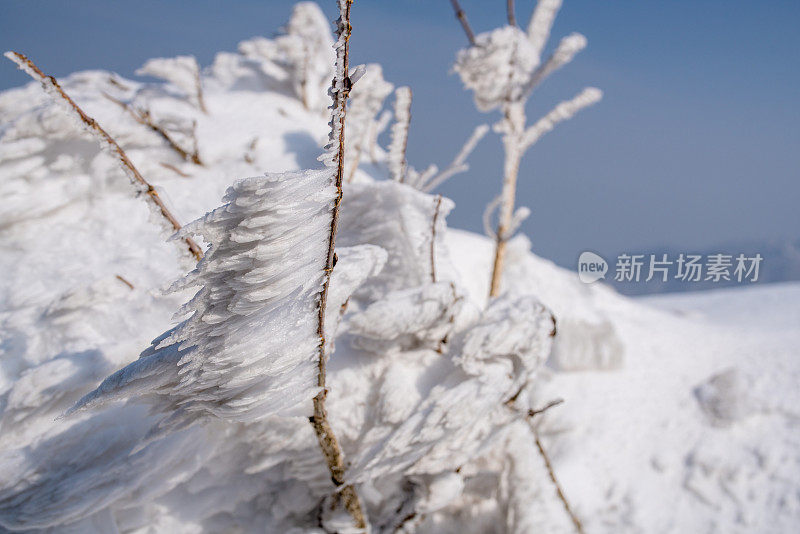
[51, 86]
[514, 119]
[331, 449]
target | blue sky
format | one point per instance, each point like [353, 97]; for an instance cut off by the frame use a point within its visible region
[695, 144]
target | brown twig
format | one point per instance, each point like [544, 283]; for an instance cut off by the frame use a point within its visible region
[174, 169]
[462, 18]
[551, 404]
[331, 449]
[143, 117]
[121, 279]
[249, 156]
[529, 416]
[533, 428]
[560, 492]
[512, 19]
[51, 85]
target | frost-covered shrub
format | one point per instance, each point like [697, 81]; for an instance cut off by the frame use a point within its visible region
[366, 100]
[304, 51]
[182, 71]
[497, 67]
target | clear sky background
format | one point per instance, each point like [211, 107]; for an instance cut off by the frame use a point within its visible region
[696, 143]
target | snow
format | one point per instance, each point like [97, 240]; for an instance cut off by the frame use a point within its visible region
[680, 412]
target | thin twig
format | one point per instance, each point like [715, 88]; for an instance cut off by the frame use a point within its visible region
[529, 418]
[50, 85]
[462, 18]
[331, 449]
[121, 279]
[143, 117]
[551, 404]
[174, 169]
[512, 20]
[559, 491]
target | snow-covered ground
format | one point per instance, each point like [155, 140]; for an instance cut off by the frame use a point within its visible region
[698, 428]
[680, 414]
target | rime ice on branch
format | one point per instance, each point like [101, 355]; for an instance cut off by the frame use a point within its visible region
[249, 348]
[502, 68]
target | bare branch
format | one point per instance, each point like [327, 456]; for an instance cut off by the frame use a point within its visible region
[52, 87]
[551, 404]
[462, 18]
[329, 444]
[174, 169]
[512, 19]
[124, 281]
[559, 491]
[143, 117]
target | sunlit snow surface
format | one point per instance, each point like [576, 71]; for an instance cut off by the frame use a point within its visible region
[681, 413]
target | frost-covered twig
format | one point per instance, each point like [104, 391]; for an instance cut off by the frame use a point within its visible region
[563, 111]
[52, 87]
[566, 51]
[458, 165]
[541, 22]
[329, 444]
[143, 117]
[399, 143]
[462, 18]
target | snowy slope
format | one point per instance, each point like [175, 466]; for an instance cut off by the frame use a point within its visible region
[647, 440]
[659, 444]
